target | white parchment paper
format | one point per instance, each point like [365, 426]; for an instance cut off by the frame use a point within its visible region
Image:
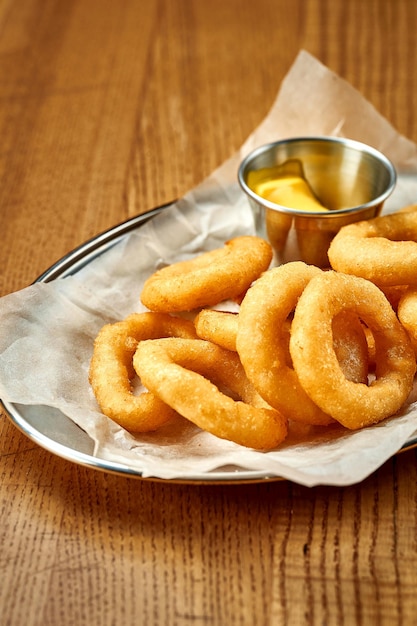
[48, 329]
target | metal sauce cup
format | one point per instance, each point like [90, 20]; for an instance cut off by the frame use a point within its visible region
[349, 178]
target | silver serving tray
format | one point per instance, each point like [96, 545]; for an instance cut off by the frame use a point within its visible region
[57, 433]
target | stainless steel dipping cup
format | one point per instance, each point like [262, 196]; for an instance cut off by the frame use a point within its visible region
[350, 178]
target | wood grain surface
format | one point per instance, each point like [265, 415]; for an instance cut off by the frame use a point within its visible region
[107, 109]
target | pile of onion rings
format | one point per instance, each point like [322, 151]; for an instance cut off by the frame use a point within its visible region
[304, 346]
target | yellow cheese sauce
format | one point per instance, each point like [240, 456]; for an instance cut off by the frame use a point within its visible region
[285, 185]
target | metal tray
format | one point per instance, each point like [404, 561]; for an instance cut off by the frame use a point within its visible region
[57, 433]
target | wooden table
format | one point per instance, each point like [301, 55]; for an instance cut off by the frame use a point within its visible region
[107, 110]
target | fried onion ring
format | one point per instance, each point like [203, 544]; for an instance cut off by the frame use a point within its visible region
[382, 249]
[209, 278]
[354, 405]
[111, 369]
[219, 327]
[407, 314]
[180, 372]
[262, 341]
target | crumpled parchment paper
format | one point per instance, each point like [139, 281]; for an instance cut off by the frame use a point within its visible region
[47, 329]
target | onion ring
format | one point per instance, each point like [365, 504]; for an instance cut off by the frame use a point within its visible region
[354, 405]
[219, 327]
[407, 314]
[111, 369]
[262, 345]
[209, 278]
[178, 372]
[382, 249]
